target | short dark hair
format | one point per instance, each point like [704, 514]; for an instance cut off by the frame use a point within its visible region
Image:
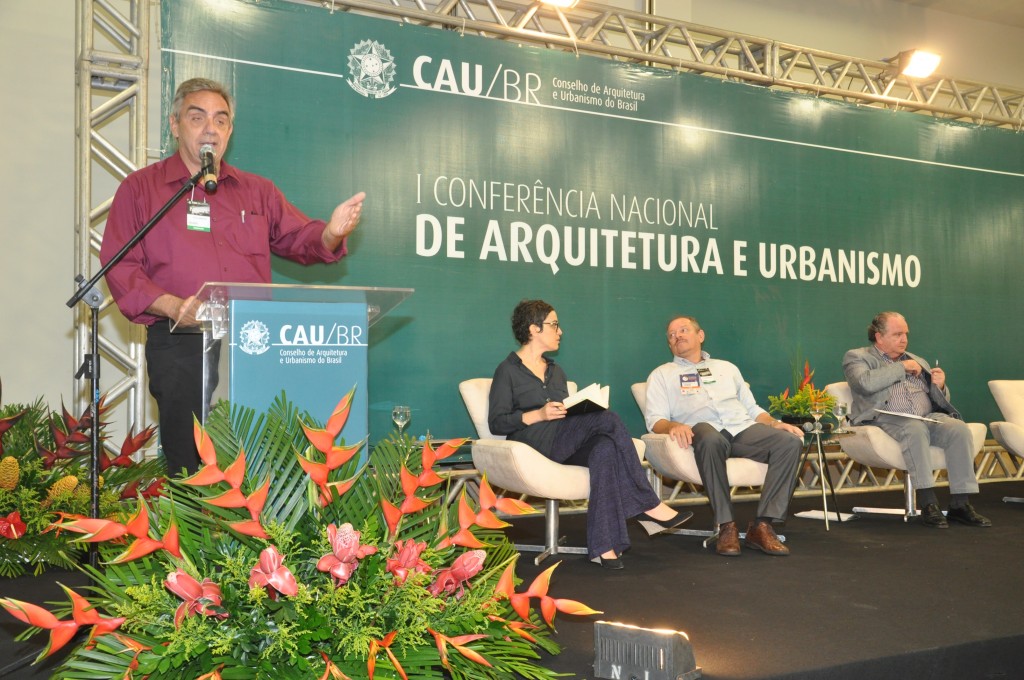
[529, 313]
[879, 324]
[193, 85]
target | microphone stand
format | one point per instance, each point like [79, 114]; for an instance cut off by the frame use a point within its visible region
[90, 367]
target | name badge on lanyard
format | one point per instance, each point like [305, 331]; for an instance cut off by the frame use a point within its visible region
[198, 216]
[689, 383]
[706, 377]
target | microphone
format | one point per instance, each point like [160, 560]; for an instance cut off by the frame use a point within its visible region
[209, 178]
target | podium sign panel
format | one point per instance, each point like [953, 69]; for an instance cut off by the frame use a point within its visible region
[314, 351]
[309, 341]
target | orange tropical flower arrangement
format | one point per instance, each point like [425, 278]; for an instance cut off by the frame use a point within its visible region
[45, 473]
[805, 395]
[289, 555]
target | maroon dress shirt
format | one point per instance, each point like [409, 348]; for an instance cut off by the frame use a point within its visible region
[249, 219]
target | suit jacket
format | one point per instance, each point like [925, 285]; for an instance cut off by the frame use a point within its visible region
[871, 381]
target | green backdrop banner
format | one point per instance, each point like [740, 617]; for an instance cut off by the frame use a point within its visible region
[620, 194]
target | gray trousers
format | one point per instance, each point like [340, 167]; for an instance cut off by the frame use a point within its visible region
[915, 437]
[780, 450]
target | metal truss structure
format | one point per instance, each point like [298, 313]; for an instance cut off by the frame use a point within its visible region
[113, 68]
[112, 64]
[615, 33]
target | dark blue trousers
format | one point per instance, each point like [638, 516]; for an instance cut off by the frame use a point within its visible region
[619, 488]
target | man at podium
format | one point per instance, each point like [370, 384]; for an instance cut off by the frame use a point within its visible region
[224, 230]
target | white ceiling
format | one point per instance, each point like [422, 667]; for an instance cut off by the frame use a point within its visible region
[1005, 12]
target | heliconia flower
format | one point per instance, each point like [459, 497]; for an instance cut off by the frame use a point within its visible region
[212, 675]
[808, 375]
[429, 456]
[346, 551]
[11, 526]
[392, 515]
[451, 580]
[210, 473]
[318, 473]
[516, 627]
[332, 671]
[407, 560]
[254, 503]
[458, 643]
[64, 448]
[129, 447]
[488, 500]
[199, 598]
[464, 536]
[385, 644]
[6, 424]
[136, 647]
[323, 438]
[143, 545]
[539, 588]
[411, 503]
[271, 574]
[154, 489]
[61, 631]
[94, 530]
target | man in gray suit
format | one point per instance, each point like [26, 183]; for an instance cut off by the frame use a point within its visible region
[886, 376]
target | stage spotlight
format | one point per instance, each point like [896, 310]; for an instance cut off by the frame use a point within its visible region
[561, 4]
[624, 652]
[915, 63]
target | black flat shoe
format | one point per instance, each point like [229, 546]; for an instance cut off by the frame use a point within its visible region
[609, 562]
[656, 526]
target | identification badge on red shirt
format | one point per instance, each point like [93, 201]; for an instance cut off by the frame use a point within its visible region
[198, 217]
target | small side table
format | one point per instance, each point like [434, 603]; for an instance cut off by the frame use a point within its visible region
[813, 442]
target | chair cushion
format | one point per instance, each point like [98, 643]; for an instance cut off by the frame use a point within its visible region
[520, 468]
[676, 462]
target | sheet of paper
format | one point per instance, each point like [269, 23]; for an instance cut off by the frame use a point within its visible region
[907, 415]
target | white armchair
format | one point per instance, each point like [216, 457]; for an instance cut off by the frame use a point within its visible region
[1009, 396]
[871, 446]
[520, 468]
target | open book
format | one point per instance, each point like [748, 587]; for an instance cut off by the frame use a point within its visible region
[591, 398]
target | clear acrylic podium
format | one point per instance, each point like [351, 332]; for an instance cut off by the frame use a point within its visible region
[309, 341]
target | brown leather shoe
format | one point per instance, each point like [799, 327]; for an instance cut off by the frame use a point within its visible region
[728, 539]
[761, 536]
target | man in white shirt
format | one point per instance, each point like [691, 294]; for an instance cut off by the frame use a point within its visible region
[705, 403]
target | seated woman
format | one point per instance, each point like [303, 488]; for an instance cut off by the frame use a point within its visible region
[526, 405]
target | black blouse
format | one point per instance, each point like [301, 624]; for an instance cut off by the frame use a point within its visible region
[515, 390]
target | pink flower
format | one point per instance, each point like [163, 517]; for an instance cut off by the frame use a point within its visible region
[11, 526]
[406, 560]
[199, 598]
[451, 580]
[346, 552]
[271, 574]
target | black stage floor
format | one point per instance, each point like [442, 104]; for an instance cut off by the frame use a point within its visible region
[874, 598]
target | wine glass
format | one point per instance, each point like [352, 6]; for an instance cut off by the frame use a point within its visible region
[840, 410]
[401, 415]
[817, 411]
